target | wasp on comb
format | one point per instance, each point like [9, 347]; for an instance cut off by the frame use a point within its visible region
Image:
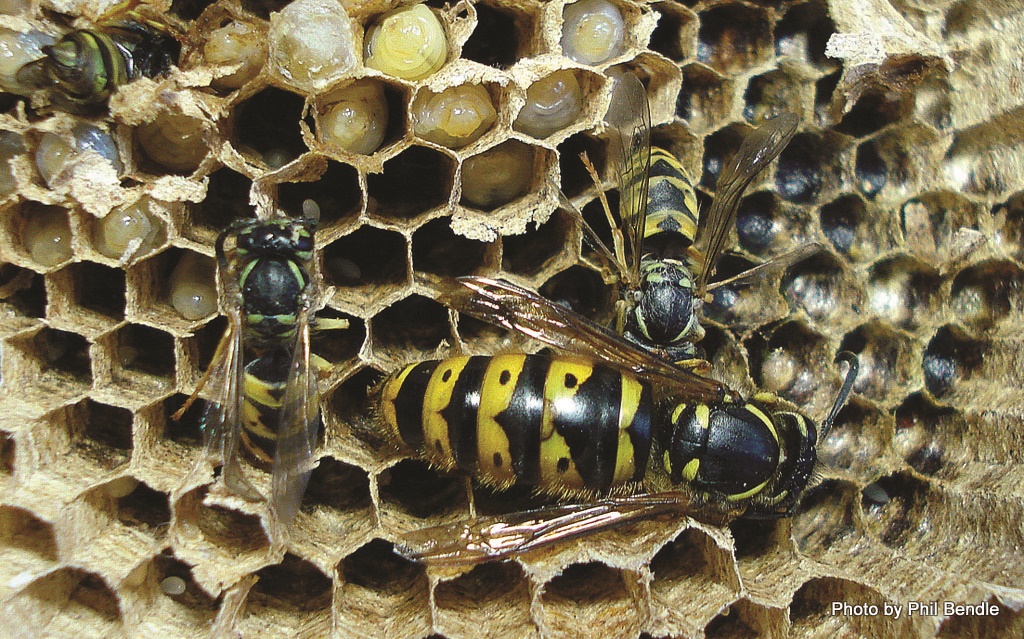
[662, 255]
[81, 70]
[624, 433]
[266, 401]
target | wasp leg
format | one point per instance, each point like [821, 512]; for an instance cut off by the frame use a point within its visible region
[618, 242]
[217, 356]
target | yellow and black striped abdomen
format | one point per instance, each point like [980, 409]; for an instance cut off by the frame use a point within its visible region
[672, 201]
[263, 389]
[560, 424]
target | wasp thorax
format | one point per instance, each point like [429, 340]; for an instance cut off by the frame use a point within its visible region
[311, 44]
[236, 43]
[358, 120]
[16, 51]
[497, 176]
[592, 31]
[47, 236]
[193, 293]
[408, 43]
[128, 231]
[455, 117]
[173, 141]
[552, 103]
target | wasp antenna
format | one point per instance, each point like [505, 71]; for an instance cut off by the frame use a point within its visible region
[844, 392]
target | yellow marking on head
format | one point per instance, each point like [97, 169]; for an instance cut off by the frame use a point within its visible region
[496, 390]
[625, 464]
[562, 383]
[437, 397]
[691, 469]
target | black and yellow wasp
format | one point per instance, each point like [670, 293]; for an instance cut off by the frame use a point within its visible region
[661, 256]
[620, 431]
[265, 376]
[81, 70]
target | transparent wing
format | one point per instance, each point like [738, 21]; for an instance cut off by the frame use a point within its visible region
[519, 309]
[759, 148]
[222, 417]
[590, 236]
[630, 119]
[504, 536]
[771, 267]
[297, 429]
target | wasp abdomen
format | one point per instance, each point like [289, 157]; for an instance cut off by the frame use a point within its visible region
[560, 424]
[671, 202]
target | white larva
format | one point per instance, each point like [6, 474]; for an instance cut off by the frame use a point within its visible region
[17, 50]
[173, 141]
[407, 43]
[193, 293]
[592, 31]
[54, 151]
[128, 231]
[236, 43]
[311, 44]
[47, 236]
[455, 117]
[552, 103]
[358, 120]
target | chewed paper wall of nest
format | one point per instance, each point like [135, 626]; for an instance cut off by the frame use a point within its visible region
[911, 182]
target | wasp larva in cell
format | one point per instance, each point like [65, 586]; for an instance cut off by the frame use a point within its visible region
[455, 117]
[592, 31]
[358, 120]
[193, 290]
[497, 176]
[47, 236]
[54, 150]
[173, 141]
[408, 43]
[552, 103]
[173, 586]
[17, 50]
[236, 43]
[311, 43]
[130, 229]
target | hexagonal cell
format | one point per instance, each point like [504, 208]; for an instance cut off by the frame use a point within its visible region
[693, 577]
[55, 364]
[871, 170]
[187, 430]
[27, 547]
[266, 127]
[581, 290]
[293, 596]
[558, 101]
[874, 110]
[361, 117]
[592, 596]
[337, 485]
[812, 610]
[171, 142]
[530, 253]
[575, 179]
[950, 357]
[413, 487]
[808, 167]
[888, 361]
[676, 33]
[500, 175]
[227, 200]
[821, 287]
[141, 349]
[850, 230]
[368, 258]
[706, 98]
[931, 438]
[760, 221]
[336, 192]
[825, 521]
[97, 290]
[22, 291]
[503, 36]
[751, 300]
[144, 508]
[770, 94]
[984, 294]
[745, 619]
[859, 440]
[733, 38]
[40, 235]
[412, 324]
[457, 116]
[437, 249]
[175, 289]
[903, 290]
[499, 595]
[70, 602]
[803, 33]
[413, 182]
[231, 532]
[902, 520]
[893, 159]
[383, 594]
[106, 433]
[792, 358]
[348, 400]
[936, 225]
[340, 347]
[719, 148]
[175, 599]
[1010, 225]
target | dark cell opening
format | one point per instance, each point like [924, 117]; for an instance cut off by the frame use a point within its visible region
[267, 125]
[412, 183]
[367, 256]
[437, 249]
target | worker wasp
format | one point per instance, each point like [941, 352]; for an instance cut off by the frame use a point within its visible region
[661, 255]
[266, 398]
[618, 431]
[81, 70]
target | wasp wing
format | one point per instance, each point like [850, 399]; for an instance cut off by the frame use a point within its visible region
[299, 423]
[516, 308]
[771, 267]
[505, 536]
[630, 119]
[756, 152]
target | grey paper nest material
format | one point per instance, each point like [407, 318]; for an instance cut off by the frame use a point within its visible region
[908, 167]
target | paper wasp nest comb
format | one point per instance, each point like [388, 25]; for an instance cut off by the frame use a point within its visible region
[907, 168]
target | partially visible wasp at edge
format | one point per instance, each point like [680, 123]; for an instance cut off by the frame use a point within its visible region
[661, 255]
[620, 431]
[81, 70]
[266, 400]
